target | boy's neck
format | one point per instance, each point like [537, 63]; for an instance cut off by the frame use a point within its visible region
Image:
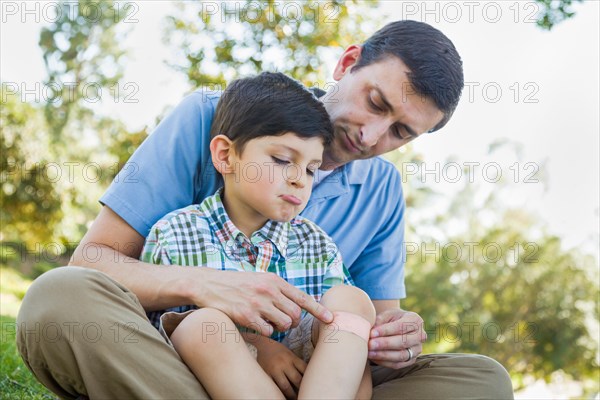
[243, 218]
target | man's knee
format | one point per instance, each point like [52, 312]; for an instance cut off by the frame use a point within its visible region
[58, 293]
[496, 377]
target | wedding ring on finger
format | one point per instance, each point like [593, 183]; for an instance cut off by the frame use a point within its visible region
[410, 354]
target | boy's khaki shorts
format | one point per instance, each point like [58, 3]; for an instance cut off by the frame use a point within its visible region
[298, 339]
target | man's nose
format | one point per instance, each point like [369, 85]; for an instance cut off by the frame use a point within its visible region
[373, 131]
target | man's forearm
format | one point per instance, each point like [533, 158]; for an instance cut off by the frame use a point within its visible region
[156, 286]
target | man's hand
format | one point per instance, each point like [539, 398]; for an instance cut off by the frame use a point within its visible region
[395, 332]
[283, 366]
[257, 300]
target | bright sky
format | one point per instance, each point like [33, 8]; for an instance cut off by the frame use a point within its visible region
[537, 89]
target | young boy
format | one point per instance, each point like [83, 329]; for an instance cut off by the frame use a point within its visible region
[268, 136]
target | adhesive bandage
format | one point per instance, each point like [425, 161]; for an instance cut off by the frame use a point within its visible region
[349, 322]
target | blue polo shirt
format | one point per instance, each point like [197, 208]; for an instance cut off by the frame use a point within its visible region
[360, 205]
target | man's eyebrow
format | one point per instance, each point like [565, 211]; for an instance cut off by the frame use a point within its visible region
[389, 106]
[293, 150]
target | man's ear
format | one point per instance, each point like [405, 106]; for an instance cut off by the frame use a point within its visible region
[223, 154]
[346, 61]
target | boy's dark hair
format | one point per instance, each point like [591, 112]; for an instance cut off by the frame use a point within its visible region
[269, 104]
[435, 65]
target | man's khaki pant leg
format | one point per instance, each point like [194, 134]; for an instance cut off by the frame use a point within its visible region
[81, 333]
[444, 376]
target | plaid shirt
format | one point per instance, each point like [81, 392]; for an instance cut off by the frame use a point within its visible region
[203, 235]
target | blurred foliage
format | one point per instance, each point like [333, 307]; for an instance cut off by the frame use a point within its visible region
[488, 279]
[31, 205]
[221, 41]
[82, 56]
[554, 11]
[527, 301]
[59, 152]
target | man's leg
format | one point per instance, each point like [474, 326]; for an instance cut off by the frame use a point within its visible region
[81, 333]
[447, 376]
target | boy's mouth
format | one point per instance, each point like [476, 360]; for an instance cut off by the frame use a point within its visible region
[291, 199]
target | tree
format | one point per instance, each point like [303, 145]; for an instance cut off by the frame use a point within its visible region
[83, 59]
[220, 41]
[31, 206]
[498, 284]
[554, 12]
[77, 150]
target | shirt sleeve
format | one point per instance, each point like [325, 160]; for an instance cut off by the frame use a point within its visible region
[165, 172]
[379, 269]
[156, 248]
[336, 273]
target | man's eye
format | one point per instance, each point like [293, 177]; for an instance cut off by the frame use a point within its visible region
[374, 106]
[280, 161]
[310, 172]
[396, 132]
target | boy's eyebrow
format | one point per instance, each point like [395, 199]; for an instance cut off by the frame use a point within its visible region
[293, 150]
[389, 106]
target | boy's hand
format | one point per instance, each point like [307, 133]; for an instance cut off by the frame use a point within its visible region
[257, 300]
[283, 366]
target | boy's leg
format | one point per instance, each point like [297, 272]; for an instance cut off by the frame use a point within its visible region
[210, 344]
[449, 376]
[82, 333]
[339, 360]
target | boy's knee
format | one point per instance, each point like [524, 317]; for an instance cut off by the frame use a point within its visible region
[351, 299]
[211, 325]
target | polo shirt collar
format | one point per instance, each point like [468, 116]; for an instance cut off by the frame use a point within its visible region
[338, 182]
[227, 232]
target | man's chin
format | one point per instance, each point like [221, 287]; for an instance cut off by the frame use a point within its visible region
[332, 162]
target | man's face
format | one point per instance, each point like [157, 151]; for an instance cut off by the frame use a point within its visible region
[374, 110]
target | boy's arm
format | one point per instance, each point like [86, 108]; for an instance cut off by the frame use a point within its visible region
[112, 246]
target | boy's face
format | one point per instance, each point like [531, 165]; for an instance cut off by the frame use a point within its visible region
[273, 176]
[374, 110]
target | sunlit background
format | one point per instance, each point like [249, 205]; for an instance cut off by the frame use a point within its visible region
[520, 156]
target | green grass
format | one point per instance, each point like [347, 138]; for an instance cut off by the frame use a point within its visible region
[16, 381]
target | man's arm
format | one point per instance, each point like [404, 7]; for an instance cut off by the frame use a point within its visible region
[394, 332]
[113, 246]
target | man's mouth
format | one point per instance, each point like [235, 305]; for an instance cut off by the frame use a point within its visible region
[350, 144]
[291, 199]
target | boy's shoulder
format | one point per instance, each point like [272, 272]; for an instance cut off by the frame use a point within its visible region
[183, 219]
[307, 235]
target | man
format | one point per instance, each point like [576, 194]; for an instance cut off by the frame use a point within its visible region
[404, 81]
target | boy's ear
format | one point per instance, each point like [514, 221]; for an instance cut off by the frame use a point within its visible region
[349, 57]
[222, 153]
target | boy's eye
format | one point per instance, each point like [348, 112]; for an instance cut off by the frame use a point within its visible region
[280, 161]
[310, 172]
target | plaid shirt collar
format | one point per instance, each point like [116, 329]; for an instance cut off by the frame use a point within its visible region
[227, 232]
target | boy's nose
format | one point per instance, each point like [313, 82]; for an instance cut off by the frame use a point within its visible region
[297, 177]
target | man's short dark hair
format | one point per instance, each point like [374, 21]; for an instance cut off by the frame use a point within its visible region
[269, 104]
[435, 66]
